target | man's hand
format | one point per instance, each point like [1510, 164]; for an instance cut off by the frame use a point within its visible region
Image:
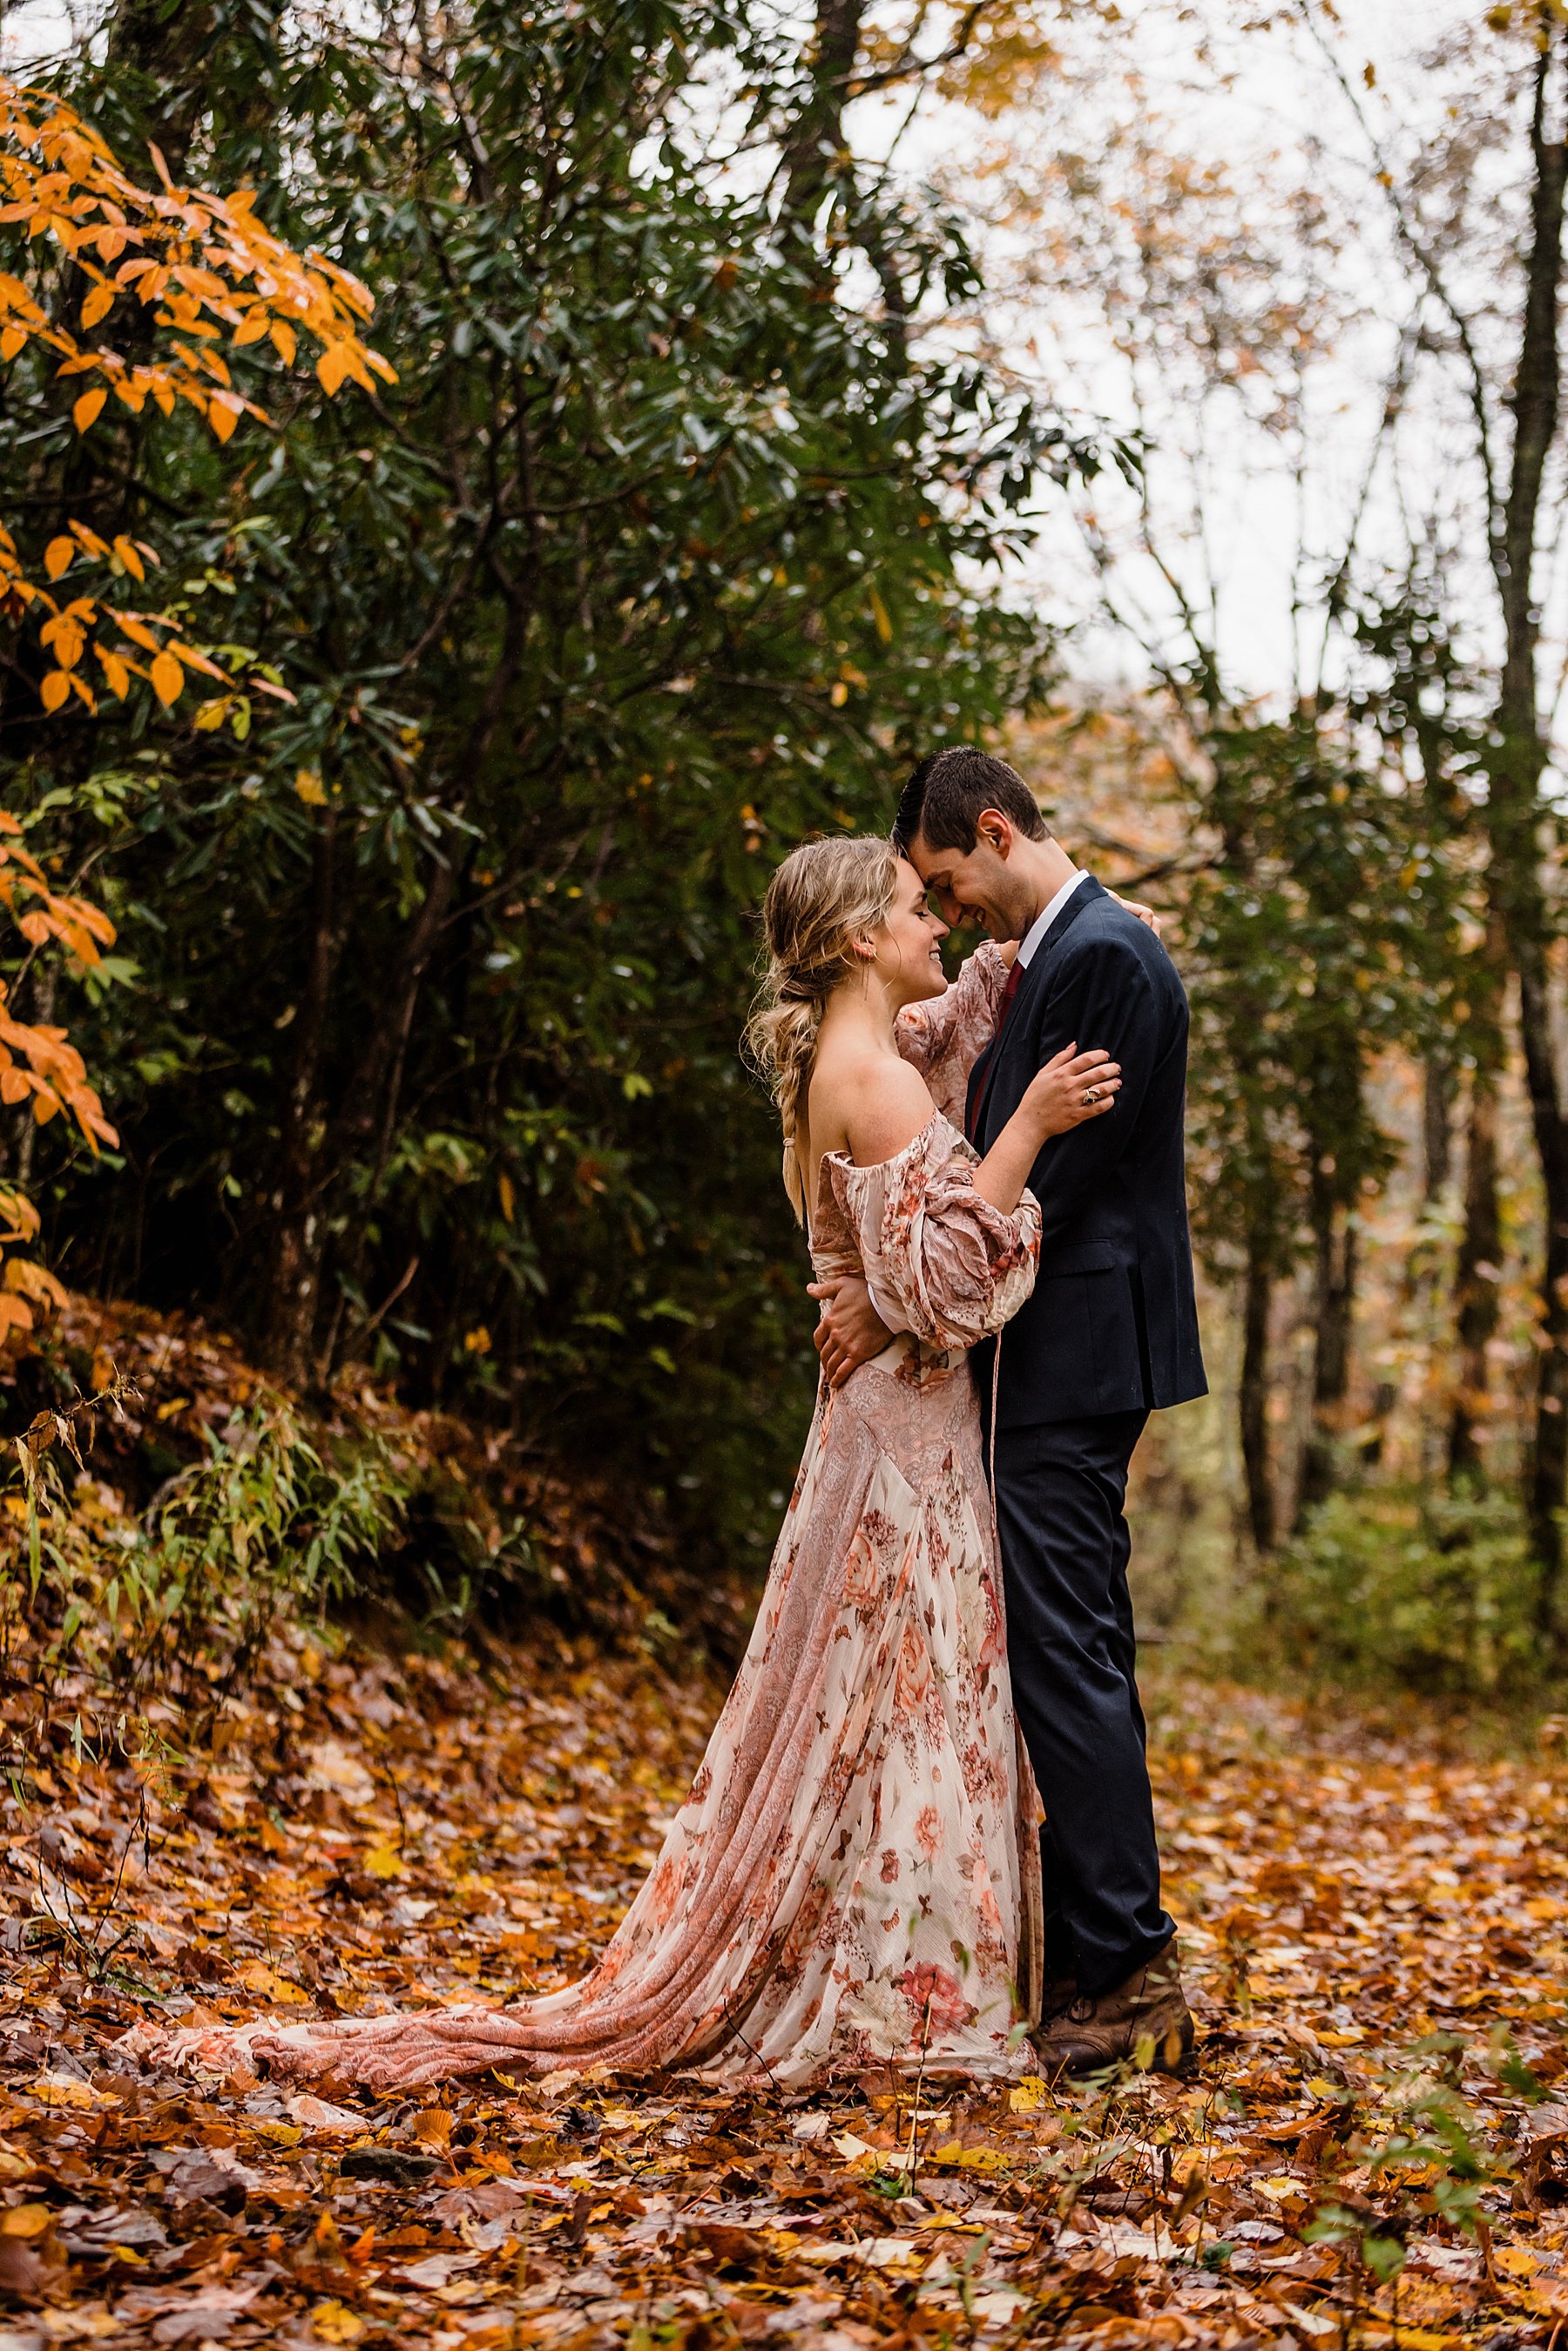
[851, 1332]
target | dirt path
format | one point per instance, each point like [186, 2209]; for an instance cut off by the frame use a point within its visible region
[1376, 1935]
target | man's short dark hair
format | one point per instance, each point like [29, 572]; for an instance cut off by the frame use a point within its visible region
[948, 792]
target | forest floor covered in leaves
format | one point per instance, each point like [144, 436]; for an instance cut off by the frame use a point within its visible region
[1374, 1919]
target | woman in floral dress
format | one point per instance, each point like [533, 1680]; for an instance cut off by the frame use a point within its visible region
[852, 1882]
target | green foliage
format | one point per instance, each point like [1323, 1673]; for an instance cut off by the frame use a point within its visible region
[1314, 929]
[422, 1035]
[1419, 1590]
[181, 1604]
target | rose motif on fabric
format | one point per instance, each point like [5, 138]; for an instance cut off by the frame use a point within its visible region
[914, 1679]
[936, 1998]
[929, 1831]
[862, 1571]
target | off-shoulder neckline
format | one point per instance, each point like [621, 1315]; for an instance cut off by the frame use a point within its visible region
[873, 1167]
[841, 1159]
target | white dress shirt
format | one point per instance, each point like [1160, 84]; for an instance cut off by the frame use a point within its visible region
[1029, 945]
[1028, 949]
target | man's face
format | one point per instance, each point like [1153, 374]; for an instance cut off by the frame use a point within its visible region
[977, 882]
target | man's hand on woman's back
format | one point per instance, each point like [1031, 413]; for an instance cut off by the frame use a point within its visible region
[851, 1332]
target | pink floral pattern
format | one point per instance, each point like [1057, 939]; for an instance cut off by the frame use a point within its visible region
[943, 1039]
[852, 1883]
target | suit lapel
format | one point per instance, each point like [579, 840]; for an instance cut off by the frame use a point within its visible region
[1030, 988]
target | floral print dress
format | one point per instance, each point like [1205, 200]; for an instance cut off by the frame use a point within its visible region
[852, 1883]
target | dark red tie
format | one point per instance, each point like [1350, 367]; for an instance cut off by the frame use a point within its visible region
[1008, 993]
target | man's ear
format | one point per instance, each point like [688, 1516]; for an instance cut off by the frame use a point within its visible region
[996, 831]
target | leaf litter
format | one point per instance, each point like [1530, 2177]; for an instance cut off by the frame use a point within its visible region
[1374, 2149]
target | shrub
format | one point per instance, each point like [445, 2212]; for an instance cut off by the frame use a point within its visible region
[1429, 1591]
[180, 1603]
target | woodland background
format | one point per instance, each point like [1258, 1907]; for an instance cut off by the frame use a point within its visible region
[746, 401]
[476, 487]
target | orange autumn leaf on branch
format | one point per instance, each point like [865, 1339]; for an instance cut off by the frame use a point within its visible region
[39, 1066]
[208, 271]
[203, 263]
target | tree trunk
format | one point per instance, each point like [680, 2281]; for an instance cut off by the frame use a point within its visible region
[1258, 1297]
[1514, 814]
[1476, 1286]
[815, 141]
[294, 1285]
[1333, 1312]
[1436, 1108]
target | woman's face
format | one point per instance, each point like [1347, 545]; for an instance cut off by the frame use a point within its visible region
[909, 943]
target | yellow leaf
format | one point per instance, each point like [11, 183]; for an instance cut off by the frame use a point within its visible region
[278, 2134]
[309, 786]
[25, 2220]
[57, 556]
[64, 2090]
[1025, 2095]
[223, 415]
[99, 305]
[115, 671]
[128, 553]
[383, 1861]
[168, 679]
[334, 2322]
[284, 341]
[87, 407]
[33, 1281]
[879, 614]
[971, 2159]
[14, 340]
[333, 366]
[253, 325]
[508, 1196]
[212, 714]
[56, 689]
[257, 1977]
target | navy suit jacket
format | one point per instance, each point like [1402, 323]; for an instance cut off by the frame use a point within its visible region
[1113, 1323]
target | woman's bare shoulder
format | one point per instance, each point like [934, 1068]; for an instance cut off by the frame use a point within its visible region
[870, 1103]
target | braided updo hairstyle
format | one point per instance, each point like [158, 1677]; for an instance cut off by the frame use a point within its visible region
[824, 896]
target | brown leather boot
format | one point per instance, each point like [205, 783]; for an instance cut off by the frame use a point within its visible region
[1145, 2020]
[1059, 1993]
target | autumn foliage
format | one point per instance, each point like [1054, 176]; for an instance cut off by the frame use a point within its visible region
[191, 272]
[205, 272]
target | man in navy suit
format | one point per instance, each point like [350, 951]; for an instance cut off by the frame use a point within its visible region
[1109, 1335]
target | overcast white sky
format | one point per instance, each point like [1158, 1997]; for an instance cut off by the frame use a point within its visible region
[1276, 507]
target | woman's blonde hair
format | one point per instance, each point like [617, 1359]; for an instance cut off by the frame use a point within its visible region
[824, 896]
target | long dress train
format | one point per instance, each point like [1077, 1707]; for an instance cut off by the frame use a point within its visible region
[852, 1883]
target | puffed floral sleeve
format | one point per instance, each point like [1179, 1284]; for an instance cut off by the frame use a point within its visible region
[945, 1036]
[956, 1268]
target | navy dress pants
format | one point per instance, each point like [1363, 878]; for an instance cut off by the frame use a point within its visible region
[1060, 1491]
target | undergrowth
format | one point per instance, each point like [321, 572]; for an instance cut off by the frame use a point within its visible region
[1396, 1589]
